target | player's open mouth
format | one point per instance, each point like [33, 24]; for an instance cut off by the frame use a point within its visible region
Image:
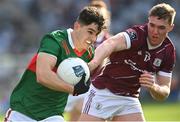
[89, 42]
[155, 37]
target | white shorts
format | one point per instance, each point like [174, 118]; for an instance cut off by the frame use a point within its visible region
[73, 101]
[14, 116]
[104, 104]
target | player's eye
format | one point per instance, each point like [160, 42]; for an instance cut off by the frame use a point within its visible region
[90, 32]
[162, 27]
[152, 25]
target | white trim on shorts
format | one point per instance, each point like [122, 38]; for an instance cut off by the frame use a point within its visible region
[104, 104]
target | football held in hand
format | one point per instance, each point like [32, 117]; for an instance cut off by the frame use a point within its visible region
[71, 70]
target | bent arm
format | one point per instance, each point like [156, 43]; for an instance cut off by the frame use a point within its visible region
[48, 78]
[161, 90]
[112, 44]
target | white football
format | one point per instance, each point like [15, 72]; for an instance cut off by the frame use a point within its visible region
[71, 70]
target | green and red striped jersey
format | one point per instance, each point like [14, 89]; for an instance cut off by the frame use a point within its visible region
[36, 100]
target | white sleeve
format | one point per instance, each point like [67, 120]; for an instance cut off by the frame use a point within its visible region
[162, 73]
[128, 41]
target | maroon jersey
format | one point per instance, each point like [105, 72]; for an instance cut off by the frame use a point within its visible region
[121, 73]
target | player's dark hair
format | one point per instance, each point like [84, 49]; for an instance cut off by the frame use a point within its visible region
[90, 15]
[163, 11]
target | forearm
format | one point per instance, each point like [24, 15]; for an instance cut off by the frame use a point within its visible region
[159, 93]
[52, 81]
[45, 76]
[113, 44]
[101, 52]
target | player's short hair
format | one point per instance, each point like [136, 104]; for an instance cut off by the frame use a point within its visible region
[163, 11]
[89, 15]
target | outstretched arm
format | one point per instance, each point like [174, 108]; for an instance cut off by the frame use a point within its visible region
[115, 43]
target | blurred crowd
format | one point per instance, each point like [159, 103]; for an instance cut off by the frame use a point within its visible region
[24, 22]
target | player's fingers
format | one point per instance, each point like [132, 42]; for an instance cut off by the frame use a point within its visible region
[146, 81]
[146, 75]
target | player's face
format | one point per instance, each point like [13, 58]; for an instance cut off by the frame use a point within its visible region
[158, 30]
[87, 34]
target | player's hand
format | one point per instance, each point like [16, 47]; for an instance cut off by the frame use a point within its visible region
[82, 86]
[147, 80]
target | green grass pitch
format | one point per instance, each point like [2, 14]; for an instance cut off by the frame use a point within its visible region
[162, 111]
[156, 112]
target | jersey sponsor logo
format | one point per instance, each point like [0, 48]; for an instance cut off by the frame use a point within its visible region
[157, 62]
[133, 65]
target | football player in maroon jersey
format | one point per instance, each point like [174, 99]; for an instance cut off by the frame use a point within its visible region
[141, 56]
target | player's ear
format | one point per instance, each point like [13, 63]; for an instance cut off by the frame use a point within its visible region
[76, 25]
[171, 27]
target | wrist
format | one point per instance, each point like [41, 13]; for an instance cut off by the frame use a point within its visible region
[159, 93]
[154, 88]
[71, 89]
[92, 65]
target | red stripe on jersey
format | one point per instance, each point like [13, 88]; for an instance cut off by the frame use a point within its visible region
[64, 44]
[32, 64]
[89, 56]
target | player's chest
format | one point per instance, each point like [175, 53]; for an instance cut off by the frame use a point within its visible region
[150, 60]
[142, 59]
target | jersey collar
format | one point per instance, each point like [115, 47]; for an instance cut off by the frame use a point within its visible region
[72, 45]
[70, 37]
[150, 47]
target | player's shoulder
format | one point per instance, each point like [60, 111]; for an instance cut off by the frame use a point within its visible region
[59, 35]
[168, 44]
[140, 28]
[137, 32]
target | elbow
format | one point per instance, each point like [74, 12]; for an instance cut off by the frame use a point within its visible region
[40, 77]
[166, 94]
[163, 96]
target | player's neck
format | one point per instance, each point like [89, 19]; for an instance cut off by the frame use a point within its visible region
[151, 47]
[76, 42]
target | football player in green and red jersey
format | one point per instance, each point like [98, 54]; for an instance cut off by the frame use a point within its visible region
[41, 95]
